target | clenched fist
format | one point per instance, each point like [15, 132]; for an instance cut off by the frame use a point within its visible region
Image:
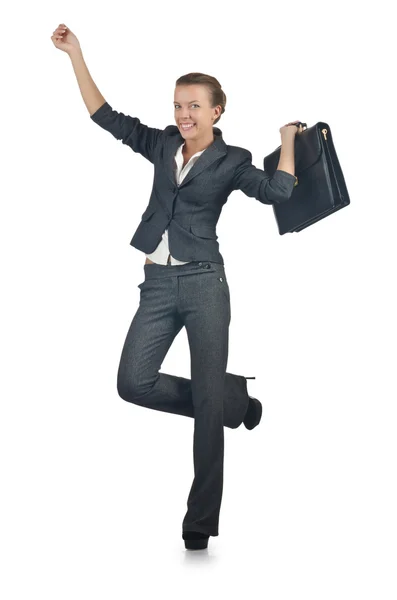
[291, 129]
[64, 39]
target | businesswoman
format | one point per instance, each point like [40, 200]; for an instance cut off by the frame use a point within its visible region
[185, 282]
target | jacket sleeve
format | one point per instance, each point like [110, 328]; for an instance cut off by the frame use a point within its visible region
[129, 130]
[257, 184]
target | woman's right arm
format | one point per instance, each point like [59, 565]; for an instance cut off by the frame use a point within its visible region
[139, 137]
[64, 39]
[92, 97]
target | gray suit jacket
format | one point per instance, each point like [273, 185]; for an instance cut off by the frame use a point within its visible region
[192, 209]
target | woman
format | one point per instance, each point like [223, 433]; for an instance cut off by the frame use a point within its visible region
[185, 283]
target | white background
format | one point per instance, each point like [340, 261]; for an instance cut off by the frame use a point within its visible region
[94, 489]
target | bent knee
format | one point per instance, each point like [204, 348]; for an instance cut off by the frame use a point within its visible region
[130, 389]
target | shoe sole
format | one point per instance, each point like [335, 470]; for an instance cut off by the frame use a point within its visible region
[195, 540]
[196, 544]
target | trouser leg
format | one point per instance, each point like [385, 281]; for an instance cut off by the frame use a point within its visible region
[154, 326]
[205, 309]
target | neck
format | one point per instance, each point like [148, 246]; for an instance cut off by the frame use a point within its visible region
[193, 146]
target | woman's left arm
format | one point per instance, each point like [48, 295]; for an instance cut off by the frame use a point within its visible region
[287, 153]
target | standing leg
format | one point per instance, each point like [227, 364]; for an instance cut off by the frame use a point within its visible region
[205, 308]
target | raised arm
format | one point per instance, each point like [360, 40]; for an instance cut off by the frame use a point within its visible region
[92, 97]
[129, 130]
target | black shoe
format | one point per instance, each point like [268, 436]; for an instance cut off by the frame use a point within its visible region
[254, 411]
[194, 540]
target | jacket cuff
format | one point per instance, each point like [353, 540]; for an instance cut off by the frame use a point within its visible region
[286, 180]
[98, 114]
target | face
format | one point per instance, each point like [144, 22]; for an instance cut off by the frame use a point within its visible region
[192, 106]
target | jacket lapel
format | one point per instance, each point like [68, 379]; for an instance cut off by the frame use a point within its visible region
[217, 149]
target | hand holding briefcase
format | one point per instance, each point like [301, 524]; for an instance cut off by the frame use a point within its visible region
[320, 189]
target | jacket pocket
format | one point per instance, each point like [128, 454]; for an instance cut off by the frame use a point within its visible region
[204, 231]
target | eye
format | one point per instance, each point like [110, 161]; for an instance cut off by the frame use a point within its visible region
[176, 105]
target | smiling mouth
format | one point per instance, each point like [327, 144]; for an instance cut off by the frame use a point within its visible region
[191, 125]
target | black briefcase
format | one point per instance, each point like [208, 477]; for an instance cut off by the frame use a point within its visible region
[320, 189]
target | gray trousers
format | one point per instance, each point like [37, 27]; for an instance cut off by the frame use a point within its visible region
[195, 295]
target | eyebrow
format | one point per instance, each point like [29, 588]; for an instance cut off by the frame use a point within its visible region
[175, 102]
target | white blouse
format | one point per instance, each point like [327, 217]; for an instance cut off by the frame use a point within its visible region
[160, 255]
